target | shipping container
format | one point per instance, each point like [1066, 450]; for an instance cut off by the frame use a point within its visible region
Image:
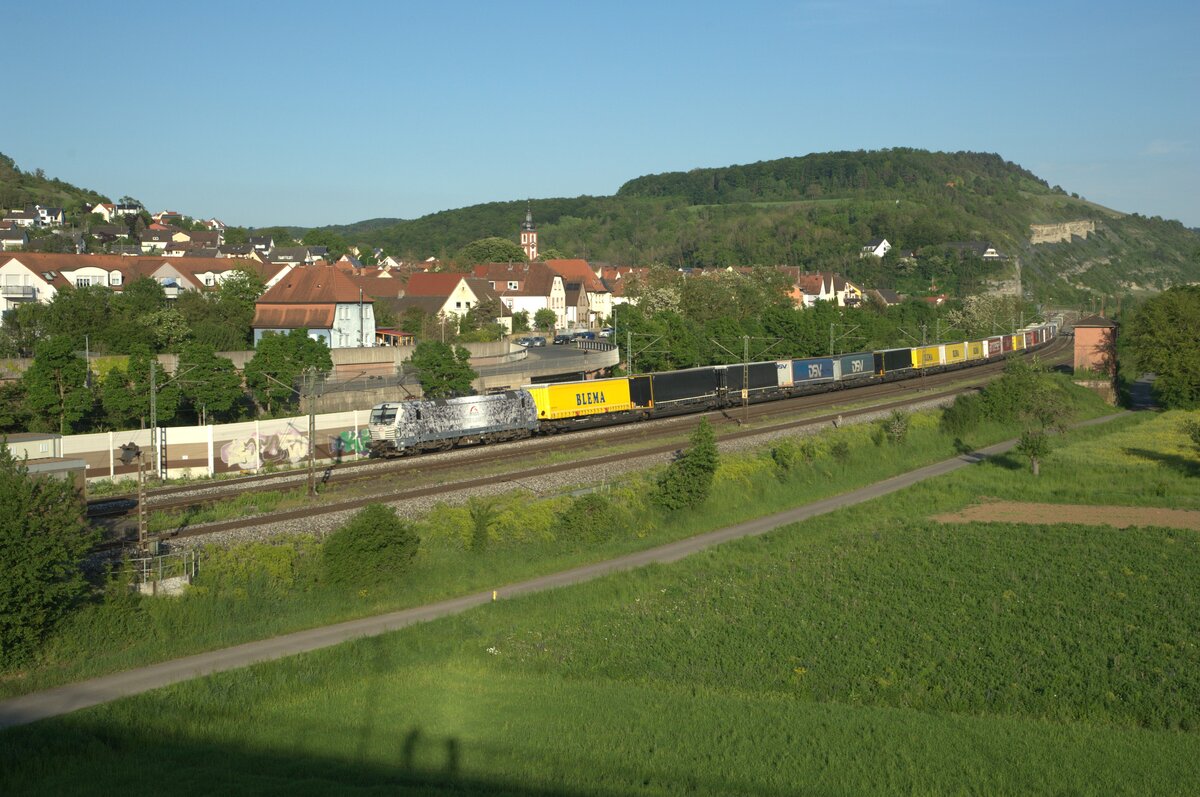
[975, 350]
[816, 369]
[1018, 341]
[763, 378]
[854, 366]
[955, 353]
[577, 399]
[1006, 344]
[682, 387]
[640, 392]
[929, 356]
[783, 372]
[890, 360]
[994, 347]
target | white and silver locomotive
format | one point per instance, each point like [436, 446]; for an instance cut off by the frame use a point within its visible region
[404, 427]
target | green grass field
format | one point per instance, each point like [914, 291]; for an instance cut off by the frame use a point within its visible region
[868, 651]
[260, 590]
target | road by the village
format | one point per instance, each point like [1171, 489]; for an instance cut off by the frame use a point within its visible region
[72, 697]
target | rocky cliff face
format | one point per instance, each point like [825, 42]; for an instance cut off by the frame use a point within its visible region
[1054, 233]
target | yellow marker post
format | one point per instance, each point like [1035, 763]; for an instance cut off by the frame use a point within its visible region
[493, 594]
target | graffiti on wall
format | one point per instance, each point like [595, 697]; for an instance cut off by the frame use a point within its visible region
[253, 450]
[349, 442]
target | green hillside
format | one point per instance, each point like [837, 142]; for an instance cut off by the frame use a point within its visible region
[816, 211]
[19, 189]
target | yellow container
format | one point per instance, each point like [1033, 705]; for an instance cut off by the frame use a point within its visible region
[955, 352]
[576, 399]
[1018, 341]
[975, 350]
[927, 356]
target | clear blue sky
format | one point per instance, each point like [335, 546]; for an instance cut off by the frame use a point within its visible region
[310, 113]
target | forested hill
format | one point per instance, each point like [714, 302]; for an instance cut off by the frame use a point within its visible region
[19, 189]
[876, 174]
[817, 211]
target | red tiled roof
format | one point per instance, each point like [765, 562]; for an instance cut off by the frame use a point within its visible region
[578, 271]
[812, 284]
[535, 279]
[374, 282]
[132, 268]
[315, 284]
[293, 316]
[433, 284]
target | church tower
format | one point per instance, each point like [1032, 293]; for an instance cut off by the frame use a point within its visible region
[529, 235]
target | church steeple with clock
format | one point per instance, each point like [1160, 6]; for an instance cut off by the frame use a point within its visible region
[529, 235]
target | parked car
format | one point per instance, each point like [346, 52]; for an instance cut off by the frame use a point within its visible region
[524, 341]
[538, 340]
[563, 338]
[607, 332]
[586, 334]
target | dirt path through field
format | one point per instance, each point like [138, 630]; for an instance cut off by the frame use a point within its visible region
[1089, 515]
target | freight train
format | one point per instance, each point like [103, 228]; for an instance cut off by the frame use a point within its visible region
[405, 427]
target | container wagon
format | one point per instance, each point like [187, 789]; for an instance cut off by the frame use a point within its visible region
[676, 391]
[859, 365]
[894, 361]
[764, 381]
[574, 400]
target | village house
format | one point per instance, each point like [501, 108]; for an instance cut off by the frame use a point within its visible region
[884, 296]
[109, 211]
[981, 249]
[296, 255]
[321, 299]
[443, 294]
[13, 238]
[823, 286]
[877, 247]
[38, 276]
[527, 287]
[27, 217]
[598, 297]
[156, 240]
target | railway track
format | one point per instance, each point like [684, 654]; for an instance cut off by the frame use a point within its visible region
[909, 391]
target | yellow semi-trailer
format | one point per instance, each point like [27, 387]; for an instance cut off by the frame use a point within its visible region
[975, 350]
[928, 356]
[559, 400]
[955, 353]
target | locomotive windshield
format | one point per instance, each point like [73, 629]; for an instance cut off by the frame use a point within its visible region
[384, 414]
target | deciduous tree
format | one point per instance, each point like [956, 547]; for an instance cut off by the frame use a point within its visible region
[443, 371]
[492, 250]
[43, 540]
[210, 383]
[545, 319]
[56, 390]
[1162, 336]
[328, 238]
[126, 393]
[273, 374]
